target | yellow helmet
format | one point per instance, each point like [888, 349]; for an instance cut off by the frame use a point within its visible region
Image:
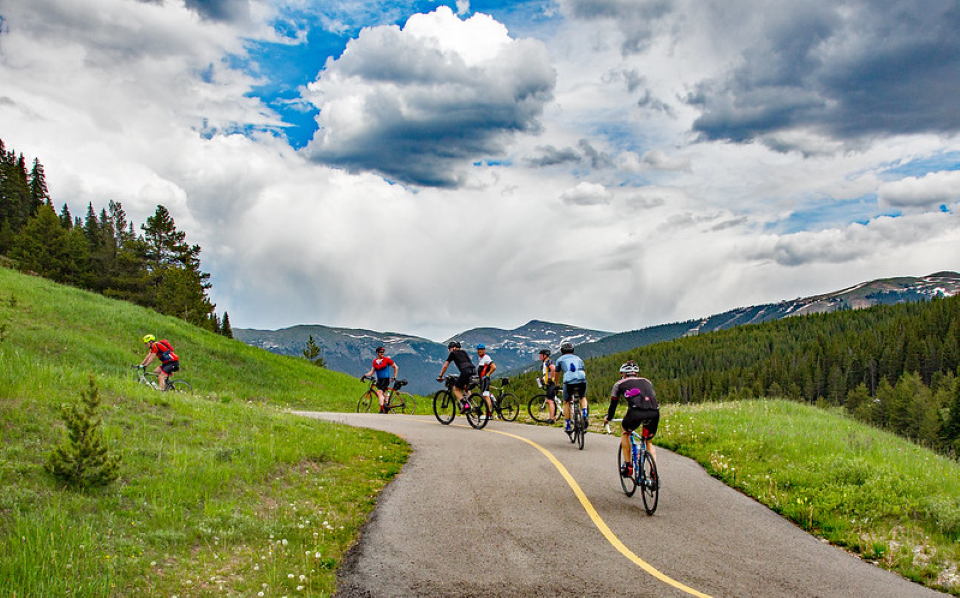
[149, 338]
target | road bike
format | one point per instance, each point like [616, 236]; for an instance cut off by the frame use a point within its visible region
[445, 404]
[393, 399]
[578, 422]
[150, 379]
[539, 408]
[643, 473]
[505, 404]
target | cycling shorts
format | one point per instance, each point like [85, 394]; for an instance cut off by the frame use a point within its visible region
[551, 390]
[463, 380]
[171, 367]
[574, 388]
[649, 418]
[485, 386]
[383, 383]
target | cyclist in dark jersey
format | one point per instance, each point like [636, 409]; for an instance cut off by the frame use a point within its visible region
[642, 409]
[466, 368]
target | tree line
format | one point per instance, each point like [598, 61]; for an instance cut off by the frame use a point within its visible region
[894, 366]
[102, 252]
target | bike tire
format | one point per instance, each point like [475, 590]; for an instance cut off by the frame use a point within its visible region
[581, 426]
[510, 407]
[444, 406]
[180, 386]
[539, 409]
[650, 484]
[629, 485]
[404, 403]
[363, 405]
[479, 414]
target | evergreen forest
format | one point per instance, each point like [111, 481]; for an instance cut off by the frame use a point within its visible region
[894, 366]
[102, 252]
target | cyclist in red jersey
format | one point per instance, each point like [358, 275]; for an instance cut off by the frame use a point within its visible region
[381, 365]
[162, 350]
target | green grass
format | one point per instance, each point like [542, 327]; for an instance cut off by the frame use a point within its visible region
[221, 491]
[875, 494]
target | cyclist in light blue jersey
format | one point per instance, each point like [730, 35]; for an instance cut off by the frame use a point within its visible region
[574, 382]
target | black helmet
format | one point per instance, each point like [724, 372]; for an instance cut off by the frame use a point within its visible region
[453, 345]
[545, 352]
[566, 347]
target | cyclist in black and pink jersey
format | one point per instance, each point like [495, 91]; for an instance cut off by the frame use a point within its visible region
[467, 370]
[642, 409]
[486, 367]
[381, 365]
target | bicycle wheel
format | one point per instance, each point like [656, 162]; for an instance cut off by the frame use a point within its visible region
[650, 483]
[479, 413]
[510, 407]
[580, 425]
[404, 403]
[444, 406]
[539, 408]
[363, 406]
[181, 386]
[629, 485]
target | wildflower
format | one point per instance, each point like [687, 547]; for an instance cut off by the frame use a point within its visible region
[303, 578]
[284, 541]
[290, 575]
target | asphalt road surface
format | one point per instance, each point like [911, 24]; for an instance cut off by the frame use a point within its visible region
[517, 510]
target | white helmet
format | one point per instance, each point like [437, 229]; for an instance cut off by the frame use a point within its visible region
[630, 368]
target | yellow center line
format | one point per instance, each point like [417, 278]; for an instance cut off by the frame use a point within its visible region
[601, 524]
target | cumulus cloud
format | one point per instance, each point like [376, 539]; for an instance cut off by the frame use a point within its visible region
[418, 104]
[927, 192]
[586, 194]
[636, 19]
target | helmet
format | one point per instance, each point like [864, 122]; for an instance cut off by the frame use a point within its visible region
[629, 368]
[481, 346]
[566, 347]
[545, 352]
[453, 345]
[149, 338]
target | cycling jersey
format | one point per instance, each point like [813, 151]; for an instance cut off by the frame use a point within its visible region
[483, 366]
[164, 351]
[381, 365]
[460, 359]
[572, 368]
[645, 399]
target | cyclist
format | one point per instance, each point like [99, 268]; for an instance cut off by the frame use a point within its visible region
[381, 365]
[642, 409]
[574, 381]
[163, 350]
[548, 372]
[467, 370]
[486, 367]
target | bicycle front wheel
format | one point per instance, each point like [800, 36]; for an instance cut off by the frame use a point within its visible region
[444, 406]
[479, 413]
[181, 386]
[404, 403]
[363, 406]
[539, 408]
[650, 483]
[629, 484]
[510, 407]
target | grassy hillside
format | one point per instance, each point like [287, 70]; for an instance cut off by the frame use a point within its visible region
[221, 490]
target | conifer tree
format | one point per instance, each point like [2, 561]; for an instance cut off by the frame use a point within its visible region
[312, 353]
[225, 328]
[39, 195]
[83, 459]
[42, 246]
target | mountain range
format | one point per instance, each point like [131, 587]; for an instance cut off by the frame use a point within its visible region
[352, 350]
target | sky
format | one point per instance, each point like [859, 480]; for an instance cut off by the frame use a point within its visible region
[429, 167]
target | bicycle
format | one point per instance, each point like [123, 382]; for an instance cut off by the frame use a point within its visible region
[539, 408]
[179, 385]
[578, 423]
[445, 405]
[644, 473]
[393, 399]
[505, 404]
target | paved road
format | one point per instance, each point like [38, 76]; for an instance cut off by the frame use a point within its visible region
[491, 513]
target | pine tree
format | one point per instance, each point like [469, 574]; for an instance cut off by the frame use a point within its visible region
[312, 353]
[39, 195]
[84, 460]
[42, 246]
[225, 328]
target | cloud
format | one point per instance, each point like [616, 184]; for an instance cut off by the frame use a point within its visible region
[927, 192]
[636, 19]
[419, 104]
[586, 194]
[220, 10]
[845, 71]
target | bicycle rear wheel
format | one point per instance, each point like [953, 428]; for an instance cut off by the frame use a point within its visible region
[181, 386]
[650, 483]
[404, 403]
[539, 408]
[444, 406]
[363, 406]
[580, 425]
[479, 413]
[510, 407]
[629, 484]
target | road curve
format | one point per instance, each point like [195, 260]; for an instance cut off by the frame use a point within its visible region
[517, 510]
